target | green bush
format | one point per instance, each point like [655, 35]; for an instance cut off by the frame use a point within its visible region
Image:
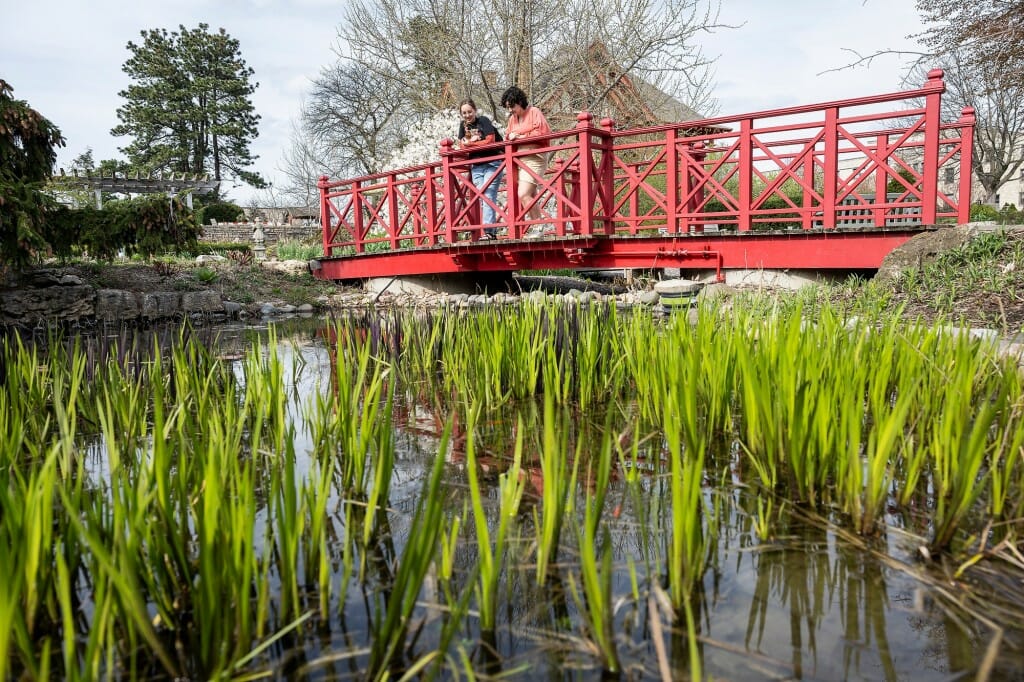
[296, 250]
[222, 212]
[144, 226]
[896, 187]
[223, 248]
[205, 275]
[980, 212]
[1009, 215]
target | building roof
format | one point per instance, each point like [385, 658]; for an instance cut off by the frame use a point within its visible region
[571, 83]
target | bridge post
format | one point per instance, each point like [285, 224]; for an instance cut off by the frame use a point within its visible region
[325, 214]
[831, 168]
[933, 121]
[448, 189]
[567, 187]
[606, 175]
[697, 154]
[393, 210]
[807, 203]
[357, 217]
[966, 124]
[673, 180]
[746, 173]
[881, 178]
[512, 206]
[430, 197]
[586, 173]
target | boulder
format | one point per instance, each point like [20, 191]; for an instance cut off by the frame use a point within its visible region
[60, 303]
[921, 249]
[207, 301]
[113, 305]
[161, 304]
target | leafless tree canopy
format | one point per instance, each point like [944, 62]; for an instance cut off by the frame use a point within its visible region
[998, 104]
[436, 50]
[980, 45]
[982, 32]
[399, 59]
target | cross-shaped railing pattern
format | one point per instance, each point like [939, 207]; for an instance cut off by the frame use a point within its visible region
[872, 161]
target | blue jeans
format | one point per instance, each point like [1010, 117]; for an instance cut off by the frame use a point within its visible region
[482, 173]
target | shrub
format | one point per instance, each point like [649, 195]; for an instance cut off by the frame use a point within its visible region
[894, 186]
[144, 226]
[205, 275]
[241, 258]
[28, 143]
[1009, 215]
[296, 250]
[980, 212]
[222, 212]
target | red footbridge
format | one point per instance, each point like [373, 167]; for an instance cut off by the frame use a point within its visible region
[830, 186]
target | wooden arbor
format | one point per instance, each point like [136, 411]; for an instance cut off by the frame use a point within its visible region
[171, 184]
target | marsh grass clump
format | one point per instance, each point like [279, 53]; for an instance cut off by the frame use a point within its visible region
[434, 482]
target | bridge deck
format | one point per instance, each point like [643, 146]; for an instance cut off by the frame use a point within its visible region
[836, 249]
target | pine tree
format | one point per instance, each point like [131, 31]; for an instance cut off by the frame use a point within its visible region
[27, 154]
[189, 109]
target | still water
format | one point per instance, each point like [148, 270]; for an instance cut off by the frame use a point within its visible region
[811, 603]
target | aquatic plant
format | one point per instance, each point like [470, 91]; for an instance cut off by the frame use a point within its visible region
[558, 471]
[491, 550]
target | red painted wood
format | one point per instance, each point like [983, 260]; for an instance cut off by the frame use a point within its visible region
[726, 179]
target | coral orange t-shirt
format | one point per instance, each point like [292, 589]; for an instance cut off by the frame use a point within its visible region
[531, 124]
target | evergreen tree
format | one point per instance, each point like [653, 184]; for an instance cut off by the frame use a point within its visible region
[27, 154]
[189, 109]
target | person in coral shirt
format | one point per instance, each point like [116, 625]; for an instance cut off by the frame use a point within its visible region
[527, 121]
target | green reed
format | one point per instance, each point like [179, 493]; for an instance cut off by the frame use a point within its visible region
[491, 550]
[390, 624]
[886, 440]
[960, 441]
[353, 421]
[1005, 466]
[687, 546]
[169, 530]
[597, 610]
[197, 539]
[316, 495]
[559, 472]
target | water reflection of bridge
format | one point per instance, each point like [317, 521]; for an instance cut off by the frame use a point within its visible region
[786, 188]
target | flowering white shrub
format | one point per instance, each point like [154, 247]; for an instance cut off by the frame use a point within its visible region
[423, 137]
[423, 140]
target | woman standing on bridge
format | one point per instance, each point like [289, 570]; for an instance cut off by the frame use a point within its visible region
[527, 121]
[473, 131]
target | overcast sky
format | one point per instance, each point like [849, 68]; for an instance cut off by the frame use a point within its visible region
[64, 57]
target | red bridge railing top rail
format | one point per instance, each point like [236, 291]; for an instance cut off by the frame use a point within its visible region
[877, 161]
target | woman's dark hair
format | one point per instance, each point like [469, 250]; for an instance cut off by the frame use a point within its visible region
[514, 96]
[468, 101]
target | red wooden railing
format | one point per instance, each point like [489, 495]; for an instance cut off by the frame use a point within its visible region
[804, 168]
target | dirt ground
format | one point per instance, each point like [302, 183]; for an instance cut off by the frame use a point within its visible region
[246, 284]
[977, 288]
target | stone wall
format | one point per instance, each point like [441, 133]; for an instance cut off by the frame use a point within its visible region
[49, 297]
[272, 232]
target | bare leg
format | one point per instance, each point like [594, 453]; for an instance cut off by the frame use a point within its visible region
[526, 192]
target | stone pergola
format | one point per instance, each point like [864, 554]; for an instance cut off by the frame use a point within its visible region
[169, 184]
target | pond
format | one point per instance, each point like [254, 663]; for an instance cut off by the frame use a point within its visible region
[515, 494]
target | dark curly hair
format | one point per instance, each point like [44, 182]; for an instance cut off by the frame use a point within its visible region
[514, 96]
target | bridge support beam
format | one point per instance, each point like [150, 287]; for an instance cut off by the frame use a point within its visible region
[455, 283]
